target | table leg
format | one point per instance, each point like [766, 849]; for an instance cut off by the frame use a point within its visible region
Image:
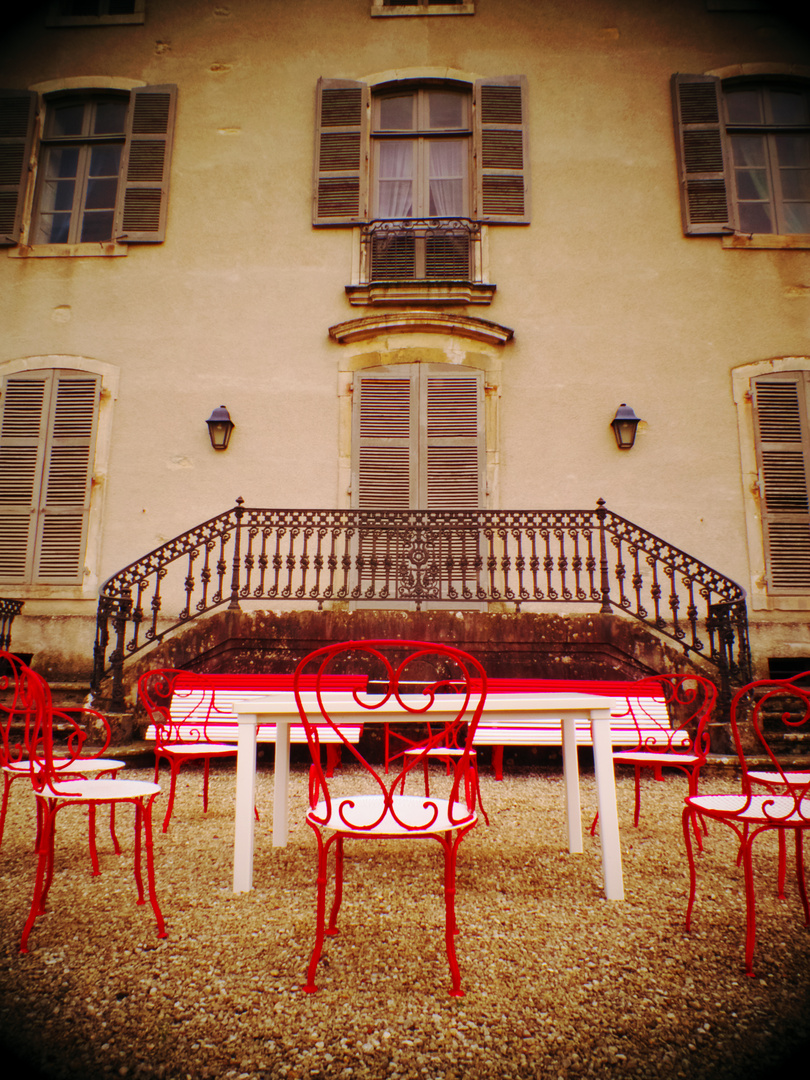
[281, 784]
[245, 802]
[573, 810]
[608, 815]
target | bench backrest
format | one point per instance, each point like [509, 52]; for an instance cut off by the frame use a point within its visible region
[191, 707]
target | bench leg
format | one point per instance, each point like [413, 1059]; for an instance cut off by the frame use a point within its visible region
[497, 762]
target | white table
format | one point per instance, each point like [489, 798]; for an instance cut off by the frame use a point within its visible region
[499, 708]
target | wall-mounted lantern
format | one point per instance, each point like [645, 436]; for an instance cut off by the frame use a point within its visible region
[220, 427]
[624, 425]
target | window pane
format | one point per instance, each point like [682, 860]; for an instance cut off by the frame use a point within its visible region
[396, 113]
[789, 107]
[110, 117]
[66, 119]
[793, 150]
[797, 217]
[105, 161]
[749, 150]
[396, 179]
[445, 109]
[744, 106]
[53, 229]
[98, 226]
[101, 194]
[447, 177]
[755, 218]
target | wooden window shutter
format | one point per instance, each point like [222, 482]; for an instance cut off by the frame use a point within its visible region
[340, 188]
[783, 450]
[144, 192]
[452, 464]
[17, 113]
[383, 431]
[502, 150]
[707, 206]
[23, 433]
[47, 442]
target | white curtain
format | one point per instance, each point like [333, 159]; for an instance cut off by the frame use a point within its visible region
[396, 179]
[446, 178]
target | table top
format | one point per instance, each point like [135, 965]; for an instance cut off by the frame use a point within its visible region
[259, 702]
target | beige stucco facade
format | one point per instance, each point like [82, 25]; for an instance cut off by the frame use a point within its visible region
[608, 300]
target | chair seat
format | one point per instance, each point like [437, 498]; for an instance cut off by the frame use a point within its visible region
[200, 749]
[414, 815]
[76, 765]
[652, 757]
[775, 778]
[99, 790]
[756, 809]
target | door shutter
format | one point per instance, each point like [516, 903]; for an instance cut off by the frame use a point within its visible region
[144, 192]
[783, 447]
[384, 430]
[47, 442]
[23, 434]
[340, 188]
[17, 113]
[707, 204]
[501, 150]
[452, 464]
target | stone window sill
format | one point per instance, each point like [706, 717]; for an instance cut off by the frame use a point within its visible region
[420, 292]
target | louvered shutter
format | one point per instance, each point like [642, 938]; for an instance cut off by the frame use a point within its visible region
[707, 204]
[384, 433]
[783, 448]
[144, 191]
[340, 189]
[502, 150]
[47, 441]
[17, 112]
[452, 460]
[23, 435]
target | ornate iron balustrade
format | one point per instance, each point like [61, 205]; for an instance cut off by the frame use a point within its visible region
[415, 249]
[377, 557]
[8, 610]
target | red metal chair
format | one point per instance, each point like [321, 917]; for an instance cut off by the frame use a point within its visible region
[673, 737]
[348, 807]
[75, 728]
[181, 715]
[57, 786]
[782, 803]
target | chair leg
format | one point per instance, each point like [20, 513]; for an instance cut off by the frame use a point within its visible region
[750, 903]
[44, 874]
[146, 825]
[450, 925]
[782, 871]
[320, 913]
[7, 778]
[687, 836]
[175, 768]
[338, 900]
[91, 817]
[800, 874]
[116, 845]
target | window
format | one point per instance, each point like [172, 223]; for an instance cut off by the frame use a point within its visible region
[95, 12]
[103, 167]
[421, 167]
[47, 441]
[782, 435]
[744, 155]
[422, 7]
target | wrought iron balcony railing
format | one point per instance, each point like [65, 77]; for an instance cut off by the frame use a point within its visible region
[467, 558]
[9, 609]
[421, 249]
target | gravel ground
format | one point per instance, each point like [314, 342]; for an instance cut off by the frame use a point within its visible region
[560, 982]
